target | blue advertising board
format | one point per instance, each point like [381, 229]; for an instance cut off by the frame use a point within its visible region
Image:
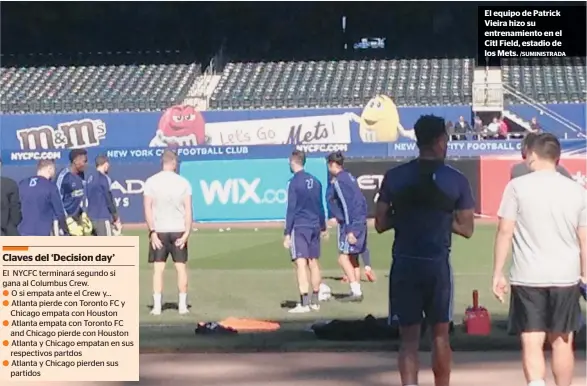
[246, 190]
[456, 149]
[128, 182]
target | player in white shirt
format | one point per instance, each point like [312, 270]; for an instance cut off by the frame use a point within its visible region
[168, 212]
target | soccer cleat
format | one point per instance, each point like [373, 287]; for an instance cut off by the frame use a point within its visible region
[352, 298]
[183, 311]
[370, 275]
[299, 309]
[315, 307]
[156, 311]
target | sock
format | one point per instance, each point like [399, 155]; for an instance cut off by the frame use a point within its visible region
[183, 300]
[157, 301]
[366, 256]
[356, 288]
[304, 300]
[537, 383]
[314, 299]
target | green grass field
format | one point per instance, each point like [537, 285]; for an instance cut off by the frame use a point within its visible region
[247, 273]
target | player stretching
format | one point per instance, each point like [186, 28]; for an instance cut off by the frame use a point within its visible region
[335, 213]
[352, 234]
[70, 183]
[305, 223]
[41, 203]
[101, 206]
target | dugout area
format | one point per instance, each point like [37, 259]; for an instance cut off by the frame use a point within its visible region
[247, 273]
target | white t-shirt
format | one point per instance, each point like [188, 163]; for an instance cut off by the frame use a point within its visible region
[493, 127]
[548, 208]
[168, 191]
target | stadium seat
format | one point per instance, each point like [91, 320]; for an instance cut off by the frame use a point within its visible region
[343, 83]
[95, 88]
[546, 80]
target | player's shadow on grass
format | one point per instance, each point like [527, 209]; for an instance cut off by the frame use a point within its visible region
[289, 304]
[169, 306]
[339, 278]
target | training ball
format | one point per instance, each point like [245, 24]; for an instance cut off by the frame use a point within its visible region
[220, 230]
[324, 293]
[256, 229]
[228, 229]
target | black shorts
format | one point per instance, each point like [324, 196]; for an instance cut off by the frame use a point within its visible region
[418, 289]
[545, 309]
[169, 248]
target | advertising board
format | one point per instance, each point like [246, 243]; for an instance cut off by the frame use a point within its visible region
[246, 190]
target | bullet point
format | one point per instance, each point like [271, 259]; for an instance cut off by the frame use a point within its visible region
[5, 363]
[5, 293]
[5, 343]
[5, 323]
[5, 303]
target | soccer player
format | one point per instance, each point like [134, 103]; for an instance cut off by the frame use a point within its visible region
[352, 233]
[41, 203]
[305, 224]
[168, 212]
[71, 185]
[10, 208]
[424, 201]
[335, 213]
[101, 207]
[522, 168]
[545, 215]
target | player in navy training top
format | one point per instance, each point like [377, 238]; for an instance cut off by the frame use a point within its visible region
[41, 203]
[101, 206]
[352, 234]
[305, 223]
[424, 201]
[335, 212]
[71, 185]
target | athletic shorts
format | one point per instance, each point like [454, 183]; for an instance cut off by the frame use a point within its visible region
[101, 228]
[420, 288]
[169, 248]
[359, 247]
[545, 309]
[305, 243]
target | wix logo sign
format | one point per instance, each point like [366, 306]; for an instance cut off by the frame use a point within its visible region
[240, 191]
[234, 190]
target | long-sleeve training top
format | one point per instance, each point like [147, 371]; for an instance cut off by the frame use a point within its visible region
[101, 204]
[41, 205]
[304, 203]
[348, 201]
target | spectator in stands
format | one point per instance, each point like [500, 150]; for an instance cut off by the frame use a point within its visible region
[503, 128]
[535, 126]
[462, 126]
[478, 126]
[492, 130]
[450, 129]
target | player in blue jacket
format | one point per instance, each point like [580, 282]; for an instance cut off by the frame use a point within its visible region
[305, 224]
[352, 233]
[71, 185]
[41, 203]
[335, 213]
[101, 206]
